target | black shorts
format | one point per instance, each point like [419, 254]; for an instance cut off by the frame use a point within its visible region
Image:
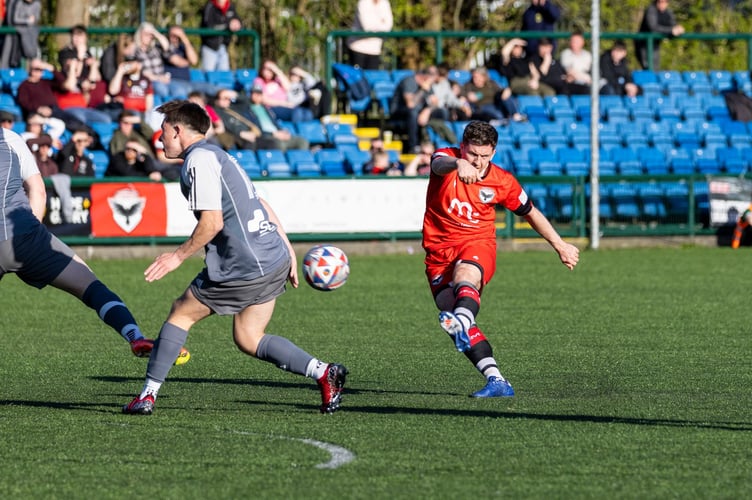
[37, 257]
[231, 297]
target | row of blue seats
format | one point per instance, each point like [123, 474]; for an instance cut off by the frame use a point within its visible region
[668, 201]
[673, 81]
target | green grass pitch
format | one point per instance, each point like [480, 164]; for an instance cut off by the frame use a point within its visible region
[632, 376]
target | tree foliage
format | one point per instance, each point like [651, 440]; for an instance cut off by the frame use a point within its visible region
[295, 31]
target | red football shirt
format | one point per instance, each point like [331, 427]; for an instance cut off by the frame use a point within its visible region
[457, 212]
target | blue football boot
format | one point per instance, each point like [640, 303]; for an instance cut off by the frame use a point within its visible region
[495, 388]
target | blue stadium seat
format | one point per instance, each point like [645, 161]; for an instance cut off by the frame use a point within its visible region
[625, 201]
[653, 160]
[244, 78]
[301, 160]
[578, 168]
[197, 75]
[731, 160]
[676, 195]
[224, 79]
[377, 75]
[460, 76]
[332, 162]
[642, 76]
[353, 90]
[356, 158]
[12, 78]
[652, 202]
[538, 193]
[721, 80]
[312, 131]
[497, 77]
[400, 74]
[101, 161]
[383, 90]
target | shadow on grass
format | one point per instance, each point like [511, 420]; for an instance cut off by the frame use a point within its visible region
[396, 410]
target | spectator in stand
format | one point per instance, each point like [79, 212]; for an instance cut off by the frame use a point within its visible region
[218, 15]
[421, 162]
[72, 159]
[79, 85]
[217, 132]
[523, 78]
[306, 90]
[131, 128]
[541, 15]
[380, 162]
[152, 48]
[370, 15]
[133, 161]
[577, 61]
[7, 119]
[122, 49]
[178, 60]
[488, 100]
[616, 77]
[24, 15]
[132, 89]
[657, 18]
[414, 104]
[41, 148]
[450, 97]
[37, 95]
[234, 111]
[275, 87]
[37, 125]
[552, 73]
[273, 134]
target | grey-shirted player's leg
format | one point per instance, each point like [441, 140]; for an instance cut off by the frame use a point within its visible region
[249, 334]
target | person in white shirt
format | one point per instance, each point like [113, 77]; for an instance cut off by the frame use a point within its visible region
[371, 15]
[577, 60]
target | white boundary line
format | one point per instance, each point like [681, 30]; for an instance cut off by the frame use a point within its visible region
[339, 456]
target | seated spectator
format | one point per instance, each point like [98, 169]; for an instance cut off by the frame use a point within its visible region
[36, 95]
[72, 159]
[132, 89]
[308, 91]
[273, 134]
[523, 78]
[421, 163]
[234, 112]
[133, 161]
[37, 125]
[217, 132]
[414, 104]
[552, 73]
[380, 162]
[179, 57]
[41, 148]
[131, 128]
[577, 61]
[616, 77]
[488, 100]
[450, 97]
[253, 124]
[88, 75]
[80, 98]
[152, 48]
[7, 119]
[275, 86]
[117, 52]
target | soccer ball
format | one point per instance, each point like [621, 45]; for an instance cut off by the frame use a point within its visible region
[325, 267]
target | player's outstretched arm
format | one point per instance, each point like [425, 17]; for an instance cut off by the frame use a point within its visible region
[209, 224]
[568, 253]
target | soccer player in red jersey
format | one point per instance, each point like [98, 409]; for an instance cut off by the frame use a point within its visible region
[459, 237]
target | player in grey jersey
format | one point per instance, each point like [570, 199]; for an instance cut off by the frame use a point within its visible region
[248, 261]
[39, 258]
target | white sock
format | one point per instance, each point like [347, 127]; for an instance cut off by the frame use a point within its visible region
[150, 387]
[315, 369]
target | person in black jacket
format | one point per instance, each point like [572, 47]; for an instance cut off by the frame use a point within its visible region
[616, 77]
[217, 15]
[133, 162]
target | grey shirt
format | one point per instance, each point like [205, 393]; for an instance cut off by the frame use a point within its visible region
[16, 165]
[249, 245]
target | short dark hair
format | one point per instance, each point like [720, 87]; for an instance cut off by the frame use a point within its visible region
[77, 28]
[479, 133]
[186, 113]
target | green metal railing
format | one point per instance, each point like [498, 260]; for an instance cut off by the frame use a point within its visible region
[335, 40]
